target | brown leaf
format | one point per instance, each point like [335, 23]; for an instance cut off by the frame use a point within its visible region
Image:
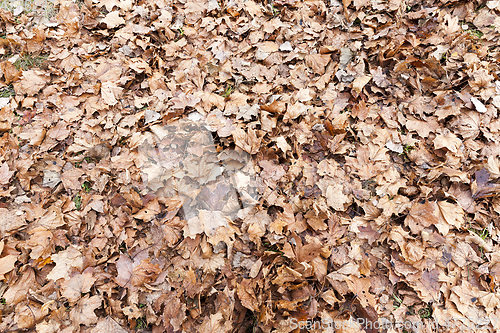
[246, 294]
[10, 220]
[66, 261]
[79, 284]
[113, 20]
[10, 72]
[451, 214]
[421, 216]
[360, 287]
[31, 82]
[5, 174]
[108, 325]
[248, 142]
[71, 178]
[59, 132]
[83, 313]
[317, 62]
[17, 292]
[481, 187]
[7, 264]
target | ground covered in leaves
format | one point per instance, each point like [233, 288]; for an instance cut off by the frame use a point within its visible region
[249, 166]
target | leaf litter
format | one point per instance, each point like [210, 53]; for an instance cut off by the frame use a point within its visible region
[248, 166]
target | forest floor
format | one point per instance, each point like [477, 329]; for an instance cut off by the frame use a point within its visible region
[249, 166]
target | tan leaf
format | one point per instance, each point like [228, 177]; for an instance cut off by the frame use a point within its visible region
[5, 174]
[493, 167]
[17, 292]
[421, 216]
[66, 261]
[71, 178]
[317, 62]
[447, 140]
[360, 287]
[125, 267]
[490, 301]
[148, 212]
[31, 82]
[83, 313]
[109, 92]
[145, 272]
[336, 198]
[52, 219]
[451, 213]
[59, 132]
[113, 20]
[359, 83]
[10, 72]
[423, 128]
[108, 325]
[246, 294]
[463, 254]
[39, 243]
[211, 221]
[73, 288]
[247, 142]
[7, 264]
[28, 314]
[271, 170]
[10, 220]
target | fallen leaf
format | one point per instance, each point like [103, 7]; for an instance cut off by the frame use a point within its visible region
[83, 313]
[5, 174]
[113, 20]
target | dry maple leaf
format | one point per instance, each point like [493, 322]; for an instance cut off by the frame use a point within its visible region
[7, 264]
[451, 214]
[421, 216]
[359, 83]
[10, 220]
[28, 314]
[317, 62]
[66, 261]
[175, 311]
[31, 82]
[481, 188]
[360, 287]
[428, 286]
[83, 313]
[336, 198]
[10, 72]
[447, 140]
[71, 178]
[5, 174]
[113, 20]
[246, 294]
[77, 285]
[18, 290]
[463, 254]
[108, 325]
[136, 273]
[59, 132]
[247, 142]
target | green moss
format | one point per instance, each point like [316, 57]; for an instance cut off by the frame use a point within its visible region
[28, 61]
[87, 186]
[78, 201]
[7, 91]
